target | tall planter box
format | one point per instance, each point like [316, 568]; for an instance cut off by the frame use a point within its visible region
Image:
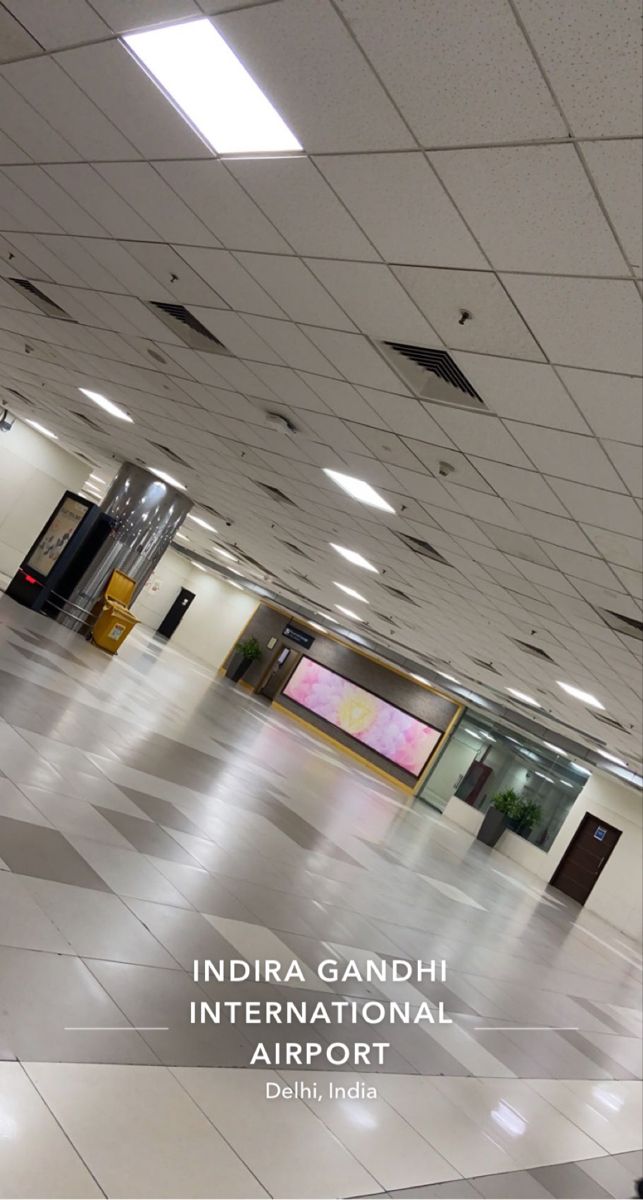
[493, 825]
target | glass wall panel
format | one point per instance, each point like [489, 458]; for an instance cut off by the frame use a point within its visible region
[483, 758]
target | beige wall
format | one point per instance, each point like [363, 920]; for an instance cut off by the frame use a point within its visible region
[34, 474]
[616, 897]
[215, 618]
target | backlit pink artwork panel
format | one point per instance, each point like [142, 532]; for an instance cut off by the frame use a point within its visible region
[392, 733]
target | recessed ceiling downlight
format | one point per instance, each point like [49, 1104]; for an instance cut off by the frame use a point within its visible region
[354, 557]
[202, 76]
[351, 592]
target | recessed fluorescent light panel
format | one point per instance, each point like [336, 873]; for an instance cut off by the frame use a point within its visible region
[351, 592]
[41, 429]
[204, 79]
[167, 478]
[525, 699]
[611, 758]
[353, 557]
[201, 522]
[579, 694]
[359, 490]
[347, 613]
[107, 405]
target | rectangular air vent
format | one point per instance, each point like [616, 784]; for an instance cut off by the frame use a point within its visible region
[421, 547]
[40, 300]
[187, 327]
[171, 454]
[486, 666]
[401, 595]
[621, 624]
[610, 721]
[535, 650]
[275, 494]
[88, 421]
[431, 374]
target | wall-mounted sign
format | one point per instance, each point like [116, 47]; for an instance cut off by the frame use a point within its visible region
[599, 833]
[300, 636]
[271, 643]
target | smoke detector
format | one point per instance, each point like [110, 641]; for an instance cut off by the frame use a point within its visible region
[280, 423]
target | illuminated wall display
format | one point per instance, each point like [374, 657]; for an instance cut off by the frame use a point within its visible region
[394, 734]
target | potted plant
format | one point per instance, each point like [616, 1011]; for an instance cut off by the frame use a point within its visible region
[502, 810]
[250, 652]
[526, 815]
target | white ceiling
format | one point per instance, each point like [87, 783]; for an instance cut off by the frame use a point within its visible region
[477, 155]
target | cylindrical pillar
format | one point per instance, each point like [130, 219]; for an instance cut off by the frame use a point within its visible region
[146, 513]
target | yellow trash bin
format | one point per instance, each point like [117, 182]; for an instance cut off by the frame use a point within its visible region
[114, 620]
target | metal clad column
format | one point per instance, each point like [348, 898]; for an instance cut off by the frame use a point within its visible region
[147, 513]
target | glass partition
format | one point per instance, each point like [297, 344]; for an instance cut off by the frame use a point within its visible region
[482, 758]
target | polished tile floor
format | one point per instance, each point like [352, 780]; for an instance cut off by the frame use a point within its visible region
[151, 813]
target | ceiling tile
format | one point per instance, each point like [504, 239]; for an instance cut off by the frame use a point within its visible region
[174, 275]
[355, 359]
[235, 333]
[495, 326]
[628, 461]
[434, 457]
[124, 15]
[24, 213]
[293, 286]
[386, 446]
[617, 171]
[568, 455]
[112, 78]
[69, 23]
[457, 101]
[292, 346]
[54, 200]
[611, 404]
[483, 507]
[632, 580]
[226, 275]
[15, 41]
[519, 545]
[582, 322]
[339, 107]
[513, 483]
[479, 433]
[549, 527]
[406, 416]
[423, 487]
[524, 391]
[295, 197]
[593, 64]
[46, 86]
[288, 386]
[212, 193]
[373, 298]
[583, 566]
[96, 196]
[532, 208]
[141, 186]
[592, 506]
[344, 400]
[402, 207]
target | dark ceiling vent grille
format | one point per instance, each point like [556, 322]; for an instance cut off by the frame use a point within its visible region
[275, 494]
[529, 649]
[88, 421]
[19, 396]
[431, 374]
[295, 549]
[421, 547]
[486, 666]
[622, 624]
[171, 454]
[40, 300]
[610, 721]
[401, 595]
[185, 325]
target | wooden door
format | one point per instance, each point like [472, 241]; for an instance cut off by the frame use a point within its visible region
[585, 858]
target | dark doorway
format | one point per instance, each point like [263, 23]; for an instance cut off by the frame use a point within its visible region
[175, 615]
[283, 662]
[585, 858]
